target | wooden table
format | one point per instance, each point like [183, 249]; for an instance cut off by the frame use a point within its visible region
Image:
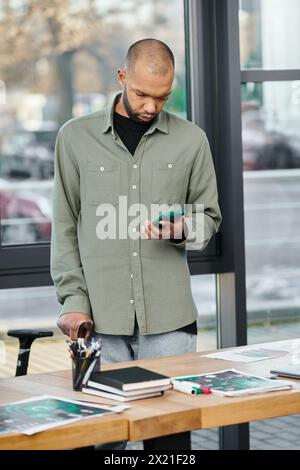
[162, 422]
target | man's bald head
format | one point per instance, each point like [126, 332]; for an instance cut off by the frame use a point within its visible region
[155, 55]
[146, 80]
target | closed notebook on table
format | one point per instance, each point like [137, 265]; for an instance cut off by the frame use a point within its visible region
[113, 396]
[128, 393]
[293, 372]
[129, 378]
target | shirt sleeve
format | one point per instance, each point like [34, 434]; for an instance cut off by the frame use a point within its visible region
[65, 264]
[203, 215]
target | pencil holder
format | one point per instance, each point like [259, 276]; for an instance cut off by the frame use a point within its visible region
[85, 360]
[81, 370]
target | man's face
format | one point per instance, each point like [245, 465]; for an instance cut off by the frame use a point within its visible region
[145, 94]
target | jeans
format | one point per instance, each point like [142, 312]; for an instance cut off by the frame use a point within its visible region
[121, 348]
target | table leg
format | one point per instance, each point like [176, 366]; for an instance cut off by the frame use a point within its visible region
[235, 437]
[181, 441]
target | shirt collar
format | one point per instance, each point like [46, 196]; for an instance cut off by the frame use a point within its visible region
[160, 122]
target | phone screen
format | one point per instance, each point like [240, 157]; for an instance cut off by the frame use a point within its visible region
[171, 216]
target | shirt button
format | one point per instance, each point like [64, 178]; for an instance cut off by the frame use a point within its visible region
[134, 186]
[101, 168]
[131, 275]
[132, 301]
[134, 253]
[134, 166]
[170, 165]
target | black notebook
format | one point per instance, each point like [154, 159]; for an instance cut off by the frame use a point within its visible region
[129, 378]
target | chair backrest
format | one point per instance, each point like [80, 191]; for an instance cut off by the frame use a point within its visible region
[26, 338]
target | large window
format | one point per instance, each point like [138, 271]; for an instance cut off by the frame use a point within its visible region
[271, 159]
[271, 153]
[59, 60]
[270, 91]
[269, 33]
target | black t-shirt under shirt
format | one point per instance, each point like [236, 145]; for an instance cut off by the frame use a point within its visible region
[131, 132]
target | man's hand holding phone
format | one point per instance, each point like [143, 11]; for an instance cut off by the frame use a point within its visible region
[167, 226]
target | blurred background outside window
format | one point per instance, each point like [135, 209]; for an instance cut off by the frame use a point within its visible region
[269, 32]
[269, 38]
[58, 60]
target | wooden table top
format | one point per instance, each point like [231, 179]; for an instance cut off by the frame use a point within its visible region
[153, 417]
[98, 430]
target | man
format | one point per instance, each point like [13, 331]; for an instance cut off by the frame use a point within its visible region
[133, 291]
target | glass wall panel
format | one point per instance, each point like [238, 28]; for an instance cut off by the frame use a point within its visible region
[59, 60]
[269, 34]
[204, 293]
[271, 153]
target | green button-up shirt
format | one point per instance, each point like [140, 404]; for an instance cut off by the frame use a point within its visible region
[115, 278]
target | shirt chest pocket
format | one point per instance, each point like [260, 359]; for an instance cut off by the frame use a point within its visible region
[102, 182]
[168, 182]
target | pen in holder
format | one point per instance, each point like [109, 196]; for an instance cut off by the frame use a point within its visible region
[85, 360]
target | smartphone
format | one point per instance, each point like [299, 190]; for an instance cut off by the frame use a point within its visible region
[171, 216]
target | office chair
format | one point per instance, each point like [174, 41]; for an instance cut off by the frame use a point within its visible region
[26, 338]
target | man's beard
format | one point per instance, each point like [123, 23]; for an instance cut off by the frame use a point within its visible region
[134, 116]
